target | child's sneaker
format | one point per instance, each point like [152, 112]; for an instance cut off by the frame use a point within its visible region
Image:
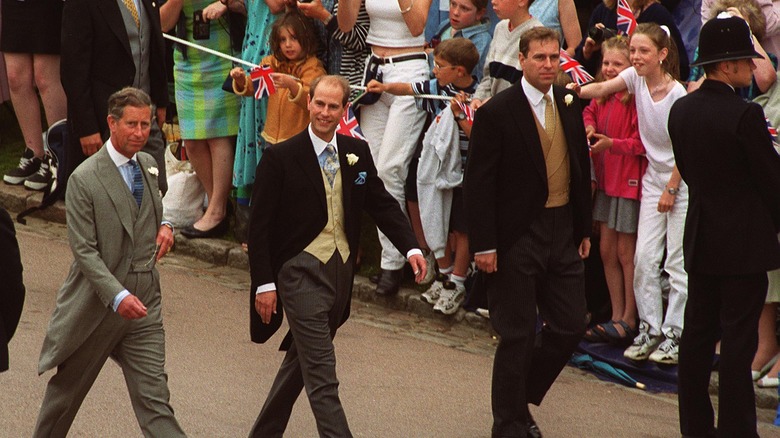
[643, 346]
[40, 179]
[452, 295]
[28, 166]
[431, 296]
[668, 352]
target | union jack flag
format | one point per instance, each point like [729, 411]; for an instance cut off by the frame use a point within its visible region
[348, 125]
[467, 111]
[574, 69]
[261, 79]
[626, 23]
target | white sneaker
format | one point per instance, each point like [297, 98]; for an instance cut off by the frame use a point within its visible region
[430, 268]
[431, 296]
[485, 313]
[452, 295]
[643, 346]
[668, 351]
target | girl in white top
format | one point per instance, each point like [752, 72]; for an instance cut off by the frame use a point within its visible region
[393, 124]
[664, 196]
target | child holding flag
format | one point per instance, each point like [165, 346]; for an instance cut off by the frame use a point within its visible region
[454, 60]
[284, 77]
[618, 156]
[664, 201]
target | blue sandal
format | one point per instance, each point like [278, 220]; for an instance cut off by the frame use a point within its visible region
[614, 337]
[597, 333]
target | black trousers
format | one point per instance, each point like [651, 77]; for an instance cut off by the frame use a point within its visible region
[315, 297]
[729, 306]
[541, 271]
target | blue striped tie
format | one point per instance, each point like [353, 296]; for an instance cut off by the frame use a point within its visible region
[330, 163]
[138, 183]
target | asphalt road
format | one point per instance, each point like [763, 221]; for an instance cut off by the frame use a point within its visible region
[401, 375]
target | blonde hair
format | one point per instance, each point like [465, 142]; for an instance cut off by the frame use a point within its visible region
[749, 10]
[618, 43]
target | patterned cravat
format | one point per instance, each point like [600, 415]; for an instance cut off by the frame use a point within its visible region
[138, 183]
[549, 116]
[330, 162]
[130, 5]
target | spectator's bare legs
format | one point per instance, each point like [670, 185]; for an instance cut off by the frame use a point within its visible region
[460, 243]
[213, 163]
[617, 254]
[26, 72]
[767, 340]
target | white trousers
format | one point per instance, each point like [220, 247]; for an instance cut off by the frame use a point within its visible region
[656, 232]
[393, 126]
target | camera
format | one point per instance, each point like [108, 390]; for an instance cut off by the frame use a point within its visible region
[599, 34]
[304, 1]
[200, 27]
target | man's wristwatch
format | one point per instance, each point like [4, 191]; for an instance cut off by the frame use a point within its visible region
[673, 191]
[460, 117]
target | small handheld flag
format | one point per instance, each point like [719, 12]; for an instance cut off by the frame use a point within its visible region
[348, 125]
[626, 23]
[574, 69]
[261, 79]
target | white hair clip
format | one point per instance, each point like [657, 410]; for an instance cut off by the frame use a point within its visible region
[665, 28]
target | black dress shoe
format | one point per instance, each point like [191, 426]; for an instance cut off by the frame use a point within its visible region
[389, 282]
[375, 278]
[533, 430]
[216, 231]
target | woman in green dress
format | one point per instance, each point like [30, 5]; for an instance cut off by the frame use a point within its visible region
[208, 116]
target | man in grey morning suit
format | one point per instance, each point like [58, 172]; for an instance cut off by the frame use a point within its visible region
[310, 195]
[109, 305]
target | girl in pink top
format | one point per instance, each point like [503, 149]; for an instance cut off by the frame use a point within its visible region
[618, 158]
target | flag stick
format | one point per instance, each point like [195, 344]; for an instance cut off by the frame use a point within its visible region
[249, 64]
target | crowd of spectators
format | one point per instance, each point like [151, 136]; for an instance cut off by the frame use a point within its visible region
[400, 50]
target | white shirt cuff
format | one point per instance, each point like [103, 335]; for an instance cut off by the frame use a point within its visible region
[413, 251]
[263, 288]
[490, 251]
[118, 299]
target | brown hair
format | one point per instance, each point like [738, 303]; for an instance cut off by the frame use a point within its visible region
[749, 10]
[302, 29]
[537, 34]
[338, 80]
[125, 97]
[480, 4]
[458, 52]
[662, 40]
[619, 43]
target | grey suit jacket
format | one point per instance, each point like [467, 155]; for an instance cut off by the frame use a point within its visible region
[100, 231]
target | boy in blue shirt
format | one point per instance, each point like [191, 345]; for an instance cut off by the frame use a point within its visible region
[454, 60]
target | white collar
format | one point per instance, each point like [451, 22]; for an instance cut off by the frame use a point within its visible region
[116, 157]
[533, 95]
[319, 144]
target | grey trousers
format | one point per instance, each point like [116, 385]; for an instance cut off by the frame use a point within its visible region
[138, 347]
[314, 297]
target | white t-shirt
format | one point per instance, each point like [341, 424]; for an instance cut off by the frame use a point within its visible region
[653, 120]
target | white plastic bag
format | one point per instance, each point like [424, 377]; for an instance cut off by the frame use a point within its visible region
[183, 203]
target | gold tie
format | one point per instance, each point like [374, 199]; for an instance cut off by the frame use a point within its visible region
[130, 5]
[549, 116]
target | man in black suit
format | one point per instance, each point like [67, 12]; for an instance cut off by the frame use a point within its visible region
[725, 155]
[309, 196]
[105, 47]
[527, 191]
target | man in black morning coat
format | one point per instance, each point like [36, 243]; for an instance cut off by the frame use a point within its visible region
[724, 152]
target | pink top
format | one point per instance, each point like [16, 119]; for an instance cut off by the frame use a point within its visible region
[619, 169]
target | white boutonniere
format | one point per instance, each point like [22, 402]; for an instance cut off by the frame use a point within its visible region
[153, 171]
[352, 159]
[568, 99]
